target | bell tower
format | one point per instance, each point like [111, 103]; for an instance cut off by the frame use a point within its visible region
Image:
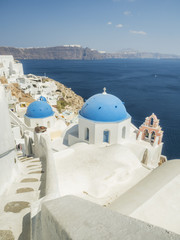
[151, 133]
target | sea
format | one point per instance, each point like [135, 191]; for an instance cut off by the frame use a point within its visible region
[145, 86]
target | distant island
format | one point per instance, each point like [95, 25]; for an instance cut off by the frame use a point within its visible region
[76, 52]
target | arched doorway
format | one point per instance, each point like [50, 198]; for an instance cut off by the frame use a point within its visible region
[106, 136]
[123, 132]
[86, 137]
[145, 157]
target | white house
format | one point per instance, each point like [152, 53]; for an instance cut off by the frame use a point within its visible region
[10, 68]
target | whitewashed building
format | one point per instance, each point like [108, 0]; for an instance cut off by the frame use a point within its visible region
[39, 113]
[10, 68]
[102, 119]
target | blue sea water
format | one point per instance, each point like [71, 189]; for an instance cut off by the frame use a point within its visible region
[145, 85]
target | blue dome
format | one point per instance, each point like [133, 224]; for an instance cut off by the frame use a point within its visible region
[39, 109]
[104, 108]
[41, 98]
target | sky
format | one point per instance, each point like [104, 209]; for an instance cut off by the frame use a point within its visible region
[105, 25]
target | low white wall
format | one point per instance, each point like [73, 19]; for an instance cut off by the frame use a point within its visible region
[72, 218]
[8, 169]
[29, 139]
[16, 132]
[43, 150]
[49, 187]
[71, 130]
[73, 140]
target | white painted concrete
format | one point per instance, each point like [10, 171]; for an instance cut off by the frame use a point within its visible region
[9, 68]
[97, 173]
[73, 218]
[7, 146]
[19, 223]
[156, 199]
[43, 150]
[96, 131]
[34, 122]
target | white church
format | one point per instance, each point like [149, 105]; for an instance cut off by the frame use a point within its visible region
[102, 119]
[39, 113]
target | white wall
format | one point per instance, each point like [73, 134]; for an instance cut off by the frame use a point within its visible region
[43, 150]
[96, 130]
[8, 169]
[5, 61]
[34, 122]
[154, 155]
[83, 125]
[18, 69]
[16, 132]
[10, 67]
[72, 218]
[7, 145]
[29, 139]
[6, 137]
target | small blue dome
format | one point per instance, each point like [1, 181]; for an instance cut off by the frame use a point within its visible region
[41, 98]
[104, 108]
[39, 109]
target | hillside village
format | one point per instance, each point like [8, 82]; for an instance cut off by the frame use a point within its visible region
[24, 89]
[81, 171]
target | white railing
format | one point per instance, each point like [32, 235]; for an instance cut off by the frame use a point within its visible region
[19, 122]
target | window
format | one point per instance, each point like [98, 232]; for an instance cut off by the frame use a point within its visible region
[48, 124]
[123, 132]
[152, 121]
[106, 136]
[146, 134]
[153, 136]
[87, 134]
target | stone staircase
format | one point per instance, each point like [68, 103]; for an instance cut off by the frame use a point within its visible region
[16, 201]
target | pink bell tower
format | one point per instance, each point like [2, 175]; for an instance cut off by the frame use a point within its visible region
[150, 131]
[151, 134]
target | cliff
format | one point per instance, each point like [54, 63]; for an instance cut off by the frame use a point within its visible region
[74, 52]
[142, 55]
[60, 52]
[19, 93]
[70, 99]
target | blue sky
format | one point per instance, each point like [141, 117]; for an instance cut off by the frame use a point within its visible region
[109, 25]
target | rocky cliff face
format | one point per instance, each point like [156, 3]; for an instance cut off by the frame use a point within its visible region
[19, 93]
[71, 52]
[61, 52]
[73, 101]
